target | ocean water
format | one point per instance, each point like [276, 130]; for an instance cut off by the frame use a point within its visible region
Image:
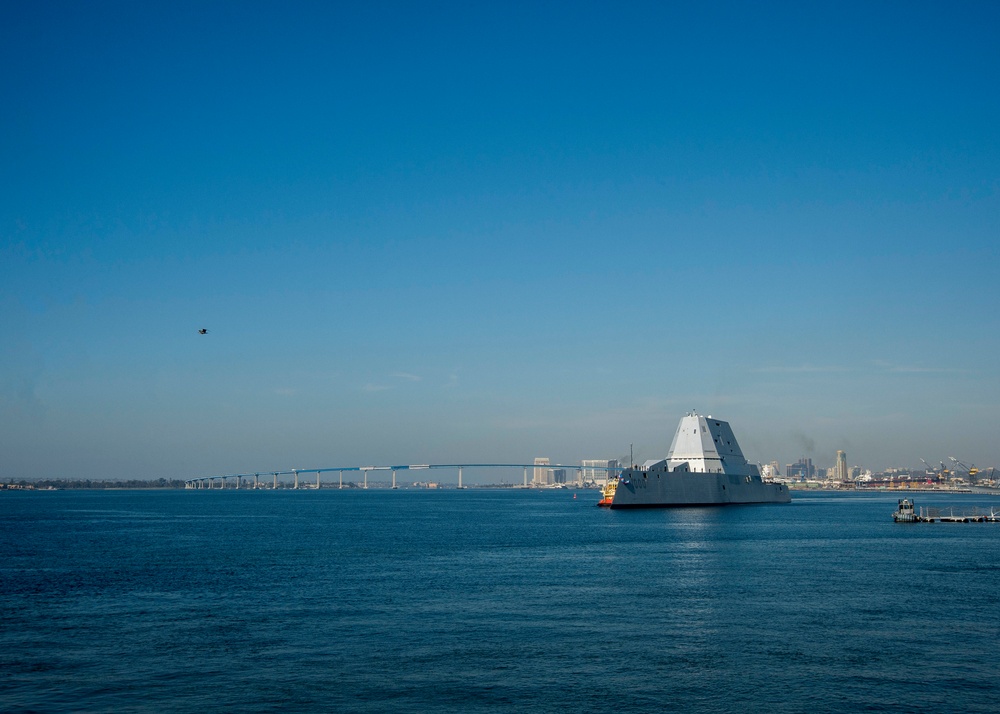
[490, 601]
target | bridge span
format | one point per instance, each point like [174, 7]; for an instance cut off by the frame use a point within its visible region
[275, 476]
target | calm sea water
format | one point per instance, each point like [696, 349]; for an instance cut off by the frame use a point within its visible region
[490, 601]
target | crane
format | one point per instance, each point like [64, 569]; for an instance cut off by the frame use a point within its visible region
[972, 470]
[931, 473]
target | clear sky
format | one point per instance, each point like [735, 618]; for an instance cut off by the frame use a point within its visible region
[437, 232]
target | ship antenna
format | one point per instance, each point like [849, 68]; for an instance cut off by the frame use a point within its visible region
[631, 459]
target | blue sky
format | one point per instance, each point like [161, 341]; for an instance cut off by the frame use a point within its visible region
[437, 232]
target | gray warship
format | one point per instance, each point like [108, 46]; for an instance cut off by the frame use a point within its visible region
[704, 467]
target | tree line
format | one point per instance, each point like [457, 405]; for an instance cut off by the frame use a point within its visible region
[61, 483]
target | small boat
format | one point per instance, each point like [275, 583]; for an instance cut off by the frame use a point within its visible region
[904, 513]
[608, 493]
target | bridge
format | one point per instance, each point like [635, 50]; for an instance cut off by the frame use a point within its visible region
[210, 481]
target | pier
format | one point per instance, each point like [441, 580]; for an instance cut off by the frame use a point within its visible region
[907, 513]
[973, 515]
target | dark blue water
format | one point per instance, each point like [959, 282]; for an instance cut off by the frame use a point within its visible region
[483, 601]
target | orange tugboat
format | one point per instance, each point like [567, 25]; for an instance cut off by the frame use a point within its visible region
[608, 493]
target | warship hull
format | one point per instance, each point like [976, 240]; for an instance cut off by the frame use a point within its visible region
[638, 490]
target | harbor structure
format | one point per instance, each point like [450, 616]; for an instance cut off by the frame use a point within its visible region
[906, 512]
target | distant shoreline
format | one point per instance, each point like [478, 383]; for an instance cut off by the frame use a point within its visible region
[972, 490]
[176, 485]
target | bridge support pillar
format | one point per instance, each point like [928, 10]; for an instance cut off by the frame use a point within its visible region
[366, 478]
[341, 479]
[525, 476]
[460, 477]
[275, 480]
[394, 478]
[296, 486]
[317, 480]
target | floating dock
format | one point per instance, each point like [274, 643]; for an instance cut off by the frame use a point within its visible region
[906, 513]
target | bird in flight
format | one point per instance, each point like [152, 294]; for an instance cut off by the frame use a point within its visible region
[203, 331]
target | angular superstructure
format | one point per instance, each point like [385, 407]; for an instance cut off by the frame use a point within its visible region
[704, 467]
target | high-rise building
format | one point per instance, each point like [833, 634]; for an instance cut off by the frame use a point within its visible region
[541, 476]
[557, 475]
[840, 472]
[590, 474]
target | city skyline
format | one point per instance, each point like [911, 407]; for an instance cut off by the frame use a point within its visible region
[445, 233]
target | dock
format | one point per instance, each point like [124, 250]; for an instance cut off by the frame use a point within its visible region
[974, 515]
[906, 513]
